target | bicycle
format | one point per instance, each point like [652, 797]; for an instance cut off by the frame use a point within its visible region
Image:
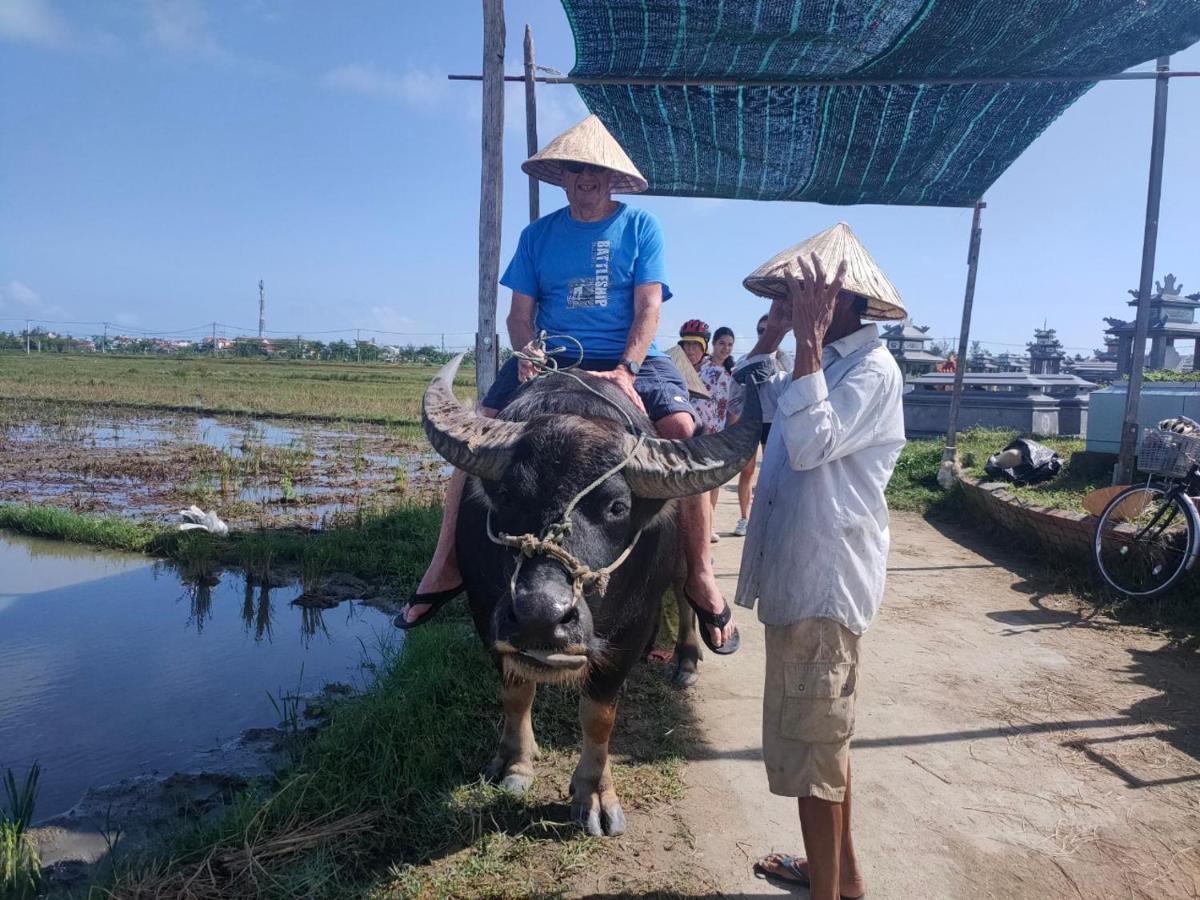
[1148, 536]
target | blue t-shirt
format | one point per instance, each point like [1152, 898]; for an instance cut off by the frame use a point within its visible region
[582, 275]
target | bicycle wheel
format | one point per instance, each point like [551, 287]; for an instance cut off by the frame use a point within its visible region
[1146, 540]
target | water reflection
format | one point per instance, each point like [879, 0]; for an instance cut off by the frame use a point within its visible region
[106, 673]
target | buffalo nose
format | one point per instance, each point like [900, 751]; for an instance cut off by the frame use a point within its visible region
[542, 620]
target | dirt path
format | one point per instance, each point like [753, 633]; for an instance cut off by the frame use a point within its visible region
[1008, 745]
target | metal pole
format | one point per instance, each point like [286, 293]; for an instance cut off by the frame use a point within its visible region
[1129, 431]
[358, 342]
[642, 81]
[964, 335]
[531, 138]
[491, 192]
[26, 337]
[214, 338]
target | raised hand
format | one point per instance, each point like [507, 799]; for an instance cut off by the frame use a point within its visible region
[813, 299]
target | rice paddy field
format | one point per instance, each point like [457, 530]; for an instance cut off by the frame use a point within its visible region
[317, 391]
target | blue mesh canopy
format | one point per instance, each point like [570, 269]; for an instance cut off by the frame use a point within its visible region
[940, 145]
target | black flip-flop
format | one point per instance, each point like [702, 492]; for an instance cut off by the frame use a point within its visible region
[436, 601]
[717, 620]
[797, 879]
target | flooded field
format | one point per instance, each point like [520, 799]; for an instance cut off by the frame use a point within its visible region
[113, 665]
[253, 472]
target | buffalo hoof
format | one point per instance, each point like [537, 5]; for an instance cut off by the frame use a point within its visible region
[684, 678]
[516, 784]
[597, 819]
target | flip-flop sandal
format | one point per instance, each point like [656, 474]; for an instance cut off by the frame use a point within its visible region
[718, 620]
[435, 600]
[797, 877]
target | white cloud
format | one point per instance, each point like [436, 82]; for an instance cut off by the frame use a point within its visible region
[20, 300]
[419, 87]
[32, 22]
[181, 27]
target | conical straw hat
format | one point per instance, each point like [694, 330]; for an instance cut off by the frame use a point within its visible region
[697, 389]
[863, 275]
[586, 142]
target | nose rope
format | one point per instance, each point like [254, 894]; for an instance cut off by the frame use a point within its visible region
[550, 542]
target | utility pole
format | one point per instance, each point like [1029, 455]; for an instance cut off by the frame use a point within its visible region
[1158, 139]
[358, 342]
[26, 337]
[262, 311]
[491, 193]
[104, 346]
[214, 338]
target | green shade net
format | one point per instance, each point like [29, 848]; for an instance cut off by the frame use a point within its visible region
[939, 145]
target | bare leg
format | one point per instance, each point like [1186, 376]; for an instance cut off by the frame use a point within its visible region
[594, 802]
[821, 823]
[443, 572]
[695, 525]
[714, 495]
[512, 766]
[745, 478]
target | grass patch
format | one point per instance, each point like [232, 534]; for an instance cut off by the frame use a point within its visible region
[384, 801]
[308, 390]
[114, 533]
[20, 867]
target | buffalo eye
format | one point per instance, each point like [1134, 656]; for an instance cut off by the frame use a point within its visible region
[618, 508]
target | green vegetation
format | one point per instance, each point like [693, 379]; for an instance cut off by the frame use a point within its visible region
[300, 390]
[914, 484]
[114, 533]
[1168, 375]
[390, 785]
[20, 867]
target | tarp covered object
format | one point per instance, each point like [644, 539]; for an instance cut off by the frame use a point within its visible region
[940, 145]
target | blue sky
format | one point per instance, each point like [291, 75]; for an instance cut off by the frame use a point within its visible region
[159, 157]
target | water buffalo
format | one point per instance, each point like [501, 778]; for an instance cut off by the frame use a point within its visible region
[551, 518]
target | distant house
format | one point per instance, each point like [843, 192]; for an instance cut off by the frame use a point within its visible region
[907, 343]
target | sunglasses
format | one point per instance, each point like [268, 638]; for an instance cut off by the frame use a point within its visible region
[578, 168]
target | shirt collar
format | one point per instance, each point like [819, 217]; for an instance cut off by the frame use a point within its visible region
[854, 341]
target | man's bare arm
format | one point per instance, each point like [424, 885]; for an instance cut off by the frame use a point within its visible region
[520, 320]
[521, 329]
[647, 308]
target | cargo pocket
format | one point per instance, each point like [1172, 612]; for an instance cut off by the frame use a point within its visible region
[818, 702]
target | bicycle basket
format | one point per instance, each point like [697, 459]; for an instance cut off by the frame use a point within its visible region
[1168, 454]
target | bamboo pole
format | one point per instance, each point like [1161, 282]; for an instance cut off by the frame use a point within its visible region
[491, 193]
[960, 369]
[1158, 137]
[531, 138]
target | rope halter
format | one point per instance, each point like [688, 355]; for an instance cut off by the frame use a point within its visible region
[550, 543]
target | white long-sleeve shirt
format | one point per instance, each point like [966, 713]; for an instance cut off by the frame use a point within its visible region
[817, 542]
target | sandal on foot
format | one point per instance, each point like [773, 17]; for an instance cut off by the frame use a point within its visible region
[436, 601]
[717, 620]
[794, 877]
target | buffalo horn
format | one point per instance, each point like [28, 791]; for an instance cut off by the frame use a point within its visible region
[473, 443]
[662, 468]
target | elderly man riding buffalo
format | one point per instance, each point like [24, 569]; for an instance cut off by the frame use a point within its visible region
[565, 481]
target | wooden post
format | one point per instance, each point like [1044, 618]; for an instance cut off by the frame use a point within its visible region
[960, 369]
[1158, 137]
[531, 138]
[491, 193]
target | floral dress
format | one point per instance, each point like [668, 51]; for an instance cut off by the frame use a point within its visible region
[713, 412]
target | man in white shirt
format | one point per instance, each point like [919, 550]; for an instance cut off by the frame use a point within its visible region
[816, 552]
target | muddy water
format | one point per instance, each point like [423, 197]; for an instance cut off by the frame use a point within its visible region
[252, 472]
[112, 666]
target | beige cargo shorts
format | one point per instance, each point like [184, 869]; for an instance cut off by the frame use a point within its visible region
[808, 708]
